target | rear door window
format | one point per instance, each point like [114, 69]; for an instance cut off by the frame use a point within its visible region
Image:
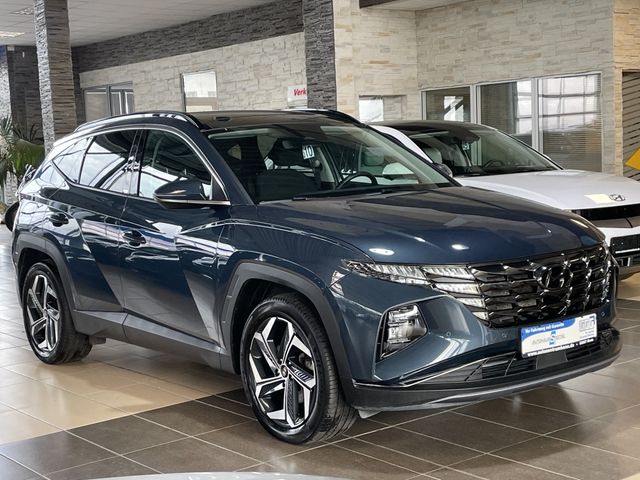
[69, 160]
[106, 163]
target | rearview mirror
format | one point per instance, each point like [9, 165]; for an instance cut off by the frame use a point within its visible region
[188, 193]
[442, 168]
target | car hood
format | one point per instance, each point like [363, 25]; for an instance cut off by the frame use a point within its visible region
[439, 226]
[565, 189]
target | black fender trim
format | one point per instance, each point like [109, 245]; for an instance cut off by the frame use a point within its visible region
[252, 270]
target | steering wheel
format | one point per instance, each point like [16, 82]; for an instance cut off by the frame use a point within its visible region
[497, 163]
[353, 176]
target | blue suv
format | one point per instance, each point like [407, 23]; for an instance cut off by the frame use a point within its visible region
[333, 269]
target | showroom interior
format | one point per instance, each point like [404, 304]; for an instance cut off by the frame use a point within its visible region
[561, 76]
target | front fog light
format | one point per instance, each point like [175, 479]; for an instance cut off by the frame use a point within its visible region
[401, 327]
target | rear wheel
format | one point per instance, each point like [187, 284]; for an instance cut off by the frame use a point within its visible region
[47, 318]
[289, 373]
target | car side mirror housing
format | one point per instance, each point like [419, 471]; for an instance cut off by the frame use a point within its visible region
[442, 168]
[188, 193]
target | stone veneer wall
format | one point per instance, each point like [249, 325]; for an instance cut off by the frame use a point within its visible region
[626, 41]
[500, 40]
[5, 92]
[249, 75]
[241, 26]
[26, 109]
[320, 52]
[376, 54]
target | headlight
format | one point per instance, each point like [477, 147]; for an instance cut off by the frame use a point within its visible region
[457, 281]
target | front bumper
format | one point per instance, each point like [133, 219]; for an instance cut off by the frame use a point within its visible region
[489, 377]
[625, 247]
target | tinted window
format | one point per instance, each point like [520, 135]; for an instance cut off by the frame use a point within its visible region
[167, 158]
[308, 158]
[70, 160]
[105, 163]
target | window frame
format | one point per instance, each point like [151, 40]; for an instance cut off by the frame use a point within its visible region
[126, 87]
[140, 143]
[536, 130]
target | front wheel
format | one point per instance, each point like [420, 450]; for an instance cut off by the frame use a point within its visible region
[289, 374]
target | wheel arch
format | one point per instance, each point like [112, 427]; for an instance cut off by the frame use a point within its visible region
[240, 300]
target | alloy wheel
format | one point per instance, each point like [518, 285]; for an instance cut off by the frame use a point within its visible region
[43, 311]
[282, 372]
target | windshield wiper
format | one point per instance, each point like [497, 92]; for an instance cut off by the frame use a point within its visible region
[373, 189]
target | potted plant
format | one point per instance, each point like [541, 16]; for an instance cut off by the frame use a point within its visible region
[20, 149]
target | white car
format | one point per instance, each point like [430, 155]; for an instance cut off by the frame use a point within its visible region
[483, 157]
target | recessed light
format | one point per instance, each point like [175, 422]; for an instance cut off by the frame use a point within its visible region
[10, 34]
[24, 11]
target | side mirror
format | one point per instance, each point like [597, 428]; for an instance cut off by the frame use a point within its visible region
[10, 215]
[442, 168]
[189, 193]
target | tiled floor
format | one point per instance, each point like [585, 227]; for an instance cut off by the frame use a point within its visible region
[127, 410]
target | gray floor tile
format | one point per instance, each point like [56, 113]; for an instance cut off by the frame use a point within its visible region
[252, 440]
[578, 461]
[572, 401]
[468, 431]
[227, 404]
[111, 467]
[337, 462]
[193, 418]
[124, 435]
[50, 453]
[606, 386]
[417, 465]
[419, 446]
[517, 414]
[10, 470]
[190, 455]
[495, 468]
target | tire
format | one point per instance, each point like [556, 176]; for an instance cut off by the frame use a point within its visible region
[52, 335]
[316, 411]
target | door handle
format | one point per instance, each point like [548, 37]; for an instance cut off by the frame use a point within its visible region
[58, 219]
[134, 238]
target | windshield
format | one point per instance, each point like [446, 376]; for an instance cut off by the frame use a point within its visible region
[478, 151]
[311, 159]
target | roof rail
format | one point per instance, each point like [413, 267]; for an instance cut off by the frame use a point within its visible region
[167, 114]
[327, 112]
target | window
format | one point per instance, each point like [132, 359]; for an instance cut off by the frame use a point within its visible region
[304, 158]
[449, 104]
[571, 121]
[508, 107]
[105, 164]
[200, 91]
[108, 101]
[167, 158]
[377, 109]
[69, 160]
[558, 116]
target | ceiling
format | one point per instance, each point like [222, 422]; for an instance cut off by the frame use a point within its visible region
[415, 4]
[96, 20]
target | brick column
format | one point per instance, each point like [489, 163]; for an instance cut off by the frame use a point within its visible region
[55, 68]
[320, 52]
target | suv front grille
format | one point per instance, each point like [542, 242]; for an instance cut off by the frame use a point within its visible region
[521, 292]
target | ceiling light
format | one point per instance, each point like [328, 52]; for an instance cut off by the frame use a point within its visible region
[24, 11]
[10, 34]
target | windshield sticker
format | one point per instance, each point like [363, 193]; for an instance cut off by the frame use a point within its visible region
[308, 152]
[599, 198]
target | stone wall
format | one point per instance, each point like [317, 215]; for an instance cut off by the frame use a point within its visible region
[376, 55]
[5, 92]
[25, 88]
[626, 42]
[249, 75]
[273, 19]
[499, 40]
[320, 53]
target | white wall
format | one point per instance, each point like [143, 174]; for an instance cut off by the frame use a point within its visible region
[252, 75]
[376, 54]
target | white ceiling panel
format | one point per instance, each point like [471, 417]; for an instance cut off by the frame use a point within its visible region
[96, 20]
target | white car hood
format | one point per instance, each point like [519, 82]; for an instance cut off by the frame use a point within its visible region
[565, 189]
